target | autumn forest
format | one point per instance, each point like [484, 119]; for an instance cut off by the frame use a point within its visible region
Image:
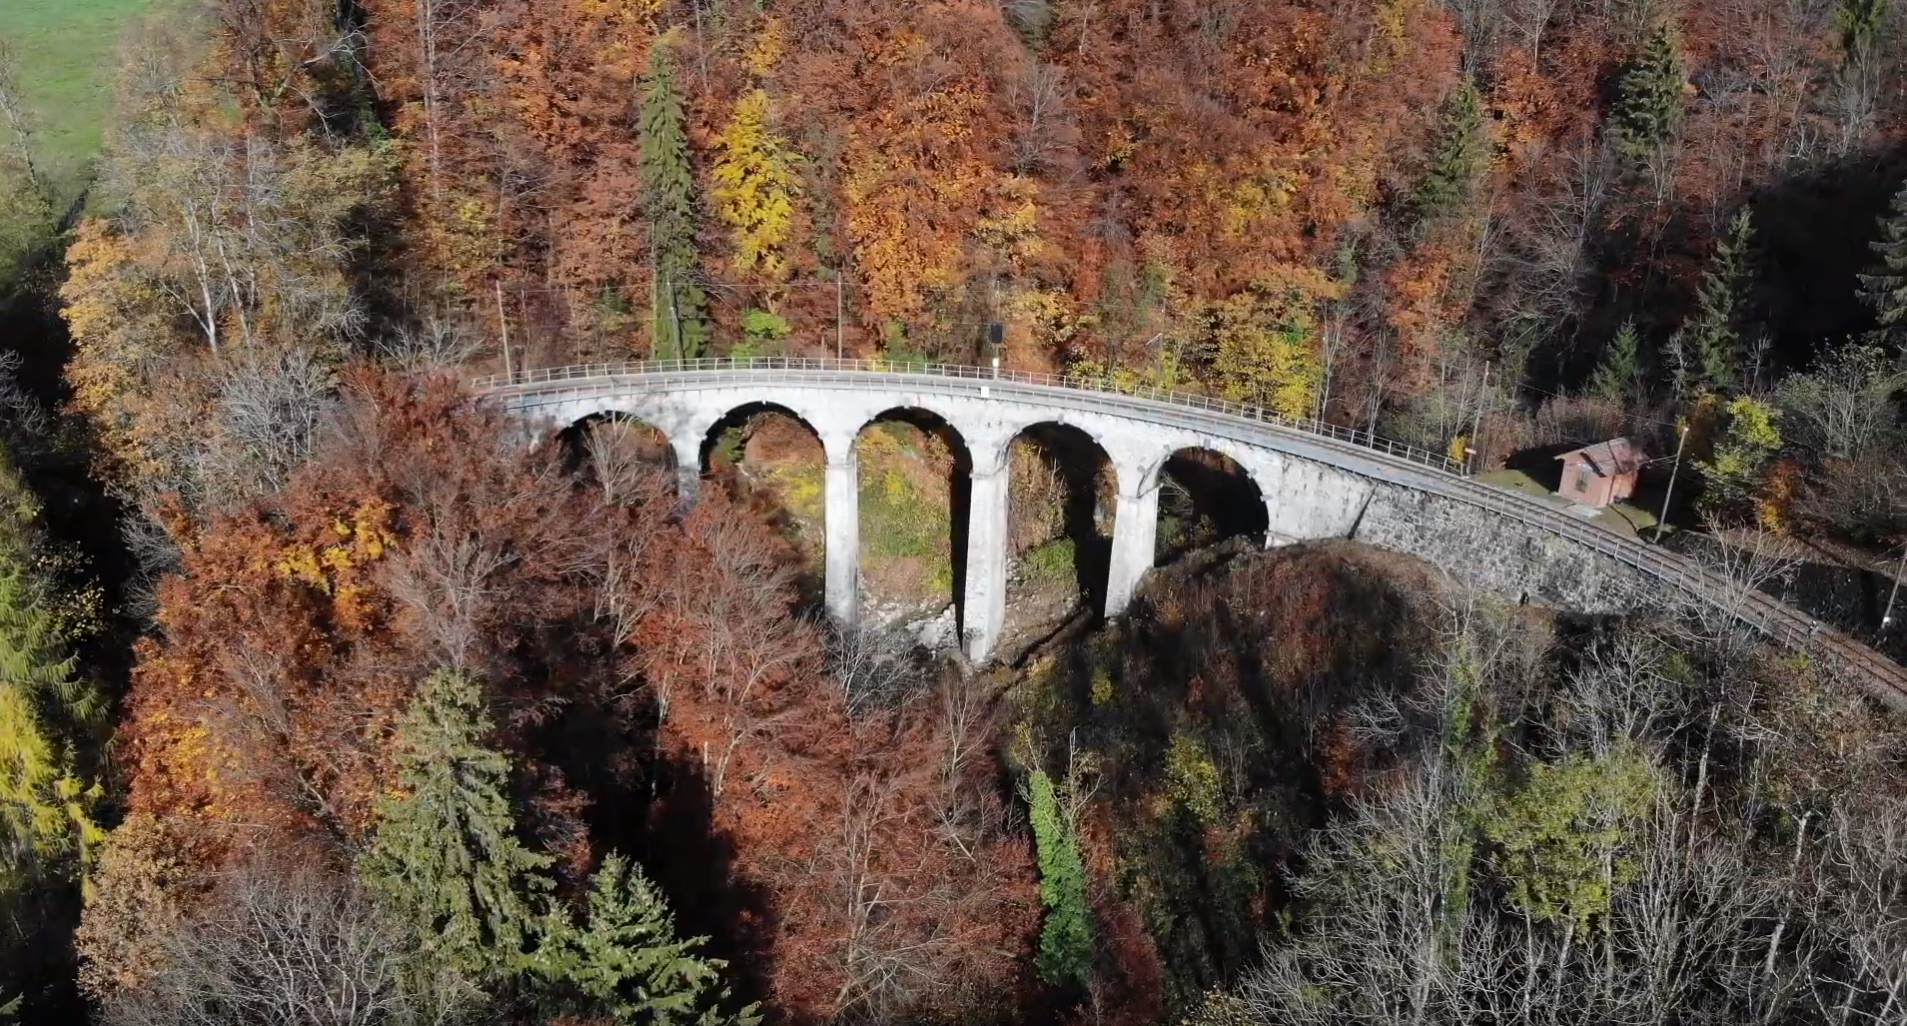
[331, 697]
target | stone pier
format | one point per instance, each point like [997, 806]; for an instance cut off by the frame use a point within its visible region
[688, 464]
[987, 540]
[1135, 535]
[842, 498]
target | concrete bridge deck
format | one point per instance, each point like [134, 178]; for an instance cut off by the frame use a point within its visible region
[1317, 480]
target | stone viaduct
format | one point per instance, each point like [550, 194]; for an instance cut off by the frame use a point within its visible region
[1317, 481]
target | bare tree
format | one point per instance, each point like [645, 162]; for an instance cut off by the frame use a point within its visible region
[966, 813]
[744, 638]
[437, 342]
[1866, 850]
[1479, 21]
[250, 236]
[913, 907]
[1046, 133]
[1739, 569]
[1864, 499]
[291, 948]
[1548, 253]
[1532, 20]
[1869, 38]
[630, 459]
[1433, 419]
[1844, 409]
[448, 576]
[21, 412]
[445, 30]
[876, 665]
[1621, 696]
[277, 50]
[270, 406]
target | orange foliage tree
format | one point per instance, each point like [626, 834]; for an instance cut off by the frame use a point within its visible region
[422, 536]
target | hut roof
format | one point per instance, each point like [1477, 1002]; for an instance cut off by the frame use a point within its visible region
[1608, 459]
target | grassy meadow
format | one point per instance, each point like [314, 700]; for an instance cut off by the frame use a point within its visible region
[65, 51]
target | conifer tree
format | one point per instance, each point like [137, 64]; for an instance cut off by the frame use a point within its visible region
[1648, 105]
[680, 317]
[1618, 375]
[1066, 943]
[1461, 155]
[46, 828]
[1715, 331]
[626, 961]
[755, 188]
[446, 853]
[1885, 287]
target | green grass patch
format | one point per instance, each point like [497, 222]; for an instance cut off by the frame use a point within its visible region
[1515, 480]
[66, 50]
[898, 520]
[906, 522]
[1050, 562]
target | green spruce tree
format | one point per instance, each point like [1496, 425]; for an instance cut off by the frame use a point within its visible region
[679, 320]
[1461, 155]
[1715, 332]
[1861, 23]
[446, 853]
[1884, 288]
[626, 962]
[1648, 105]
[47, 714]
[1066, 940]
[1619, 375]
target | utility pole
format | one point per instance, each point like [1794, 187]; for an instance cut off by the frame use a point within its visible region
[1670, 494]
[1888, 616]
[840, 312]
[503, 323]
[1476, 425]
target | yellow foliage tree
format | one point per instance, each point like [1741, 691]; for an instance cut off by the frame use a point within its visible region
[1265, 345]
[756, 187]
[118, 327]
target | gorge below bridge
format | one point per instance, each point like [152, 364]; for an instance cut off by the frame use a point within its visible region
[1316, 481]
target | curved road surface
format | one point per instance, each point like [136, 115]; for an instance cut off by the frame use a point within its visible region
[1349, 450]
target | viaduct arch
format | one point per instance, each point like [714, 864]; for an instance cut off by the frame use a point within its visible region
[1316, 481]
